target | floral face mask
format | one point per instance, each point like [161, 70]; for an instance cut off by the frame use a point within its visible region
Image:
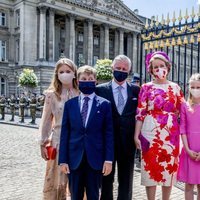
[160, 73]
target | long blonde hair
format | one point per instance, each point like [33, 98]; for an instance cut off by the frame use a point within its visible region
[194, 77]
[56, 85]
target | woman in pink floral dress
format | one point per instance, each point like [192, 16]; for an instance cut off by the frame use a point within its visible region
[62, 88]
[157, 127]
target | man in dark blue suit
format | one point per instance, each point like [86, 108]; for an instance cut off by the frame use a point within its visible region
[124, 98]
[86, 143]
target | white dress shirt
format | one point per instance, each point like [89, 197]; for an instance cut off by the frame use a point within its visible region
[116, 91]
[90, 102]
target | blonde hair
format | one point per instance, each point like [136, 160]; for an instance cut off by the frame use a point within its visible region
[194, 77]
[56, 85]
[159, 57]
[87, 70]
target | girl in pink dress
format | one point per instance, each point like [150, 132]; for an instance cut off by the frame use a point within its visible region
[189, 167]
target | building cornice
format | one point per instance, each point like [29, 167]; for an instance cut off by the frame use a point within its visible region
[110, 14]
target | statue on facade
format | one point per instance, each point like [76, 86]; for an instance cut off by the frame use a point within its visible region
[33, 106]
[12, 105]
[22, 105]
[2, 106]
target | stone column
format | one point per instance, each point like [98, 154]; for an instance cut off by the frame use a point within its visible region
[116, 50]
[121, 41]
[129, 46]
[90, 42]
[67, 36]
[51, 35]
[72, 38]
[134, 52]
[102, 38]
[12, 41]
[106, 41]
[42, 41]
[85, 42]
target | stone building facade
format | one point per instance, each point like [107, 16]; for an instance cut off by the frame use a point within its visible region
[35, 33]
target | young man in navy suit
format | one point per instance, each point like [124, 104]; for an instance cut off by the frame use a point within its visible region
[86, 143]
[124, 98]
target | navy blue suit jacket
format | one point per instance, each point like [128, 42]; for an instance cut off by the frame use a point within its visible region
[96, 139]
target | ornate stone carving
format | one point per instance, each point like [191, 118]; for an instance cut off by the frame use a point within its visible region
[112, 6]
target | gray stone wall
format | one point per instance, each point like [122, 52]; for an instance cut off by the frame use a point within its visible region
[41, 41]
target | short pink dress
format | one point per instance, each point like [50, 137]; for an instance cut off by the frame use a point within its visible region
[189, 170]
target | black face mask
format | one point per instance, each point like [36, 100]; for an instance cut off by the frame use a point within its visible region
[87, 87]
[120, 76]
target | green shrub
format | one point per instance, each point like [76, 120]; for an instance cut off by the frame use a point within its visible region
[104, 70]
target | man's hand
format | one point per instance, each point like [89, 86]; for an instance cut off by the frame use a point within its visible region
[65, 168]
[107, 168]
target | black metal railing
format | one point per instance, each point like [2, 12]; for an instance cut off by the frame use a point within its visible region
[180, 39]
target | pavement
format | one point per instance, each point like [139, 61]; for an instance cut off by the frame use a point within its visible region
[22, 169]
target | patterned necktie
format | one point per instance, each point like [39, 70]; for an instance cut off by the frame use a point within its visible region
[120, 105]
[84, 110]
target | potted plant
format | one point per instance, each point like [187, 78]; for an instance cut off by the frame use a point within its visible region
[28, 79]
[104, 70]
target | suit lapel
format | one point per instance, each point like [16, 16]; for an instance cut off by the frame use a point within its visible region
[94, 108]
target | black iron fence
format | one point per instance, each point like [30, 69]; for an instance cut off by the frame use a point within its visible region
[180, 38]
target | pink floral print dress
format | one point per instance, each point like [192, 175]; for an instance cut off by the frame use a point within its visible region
[158, 109]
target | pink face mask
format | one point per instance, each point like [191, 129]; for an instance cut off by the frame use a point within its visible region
[160, 73]
[66, 78]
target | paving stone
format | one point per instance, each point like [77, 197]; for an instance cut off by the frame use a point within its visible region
[22, 169]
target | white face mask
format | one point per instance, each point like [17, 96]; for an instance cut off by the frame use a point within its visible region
[66, 78]
[160, 73]
[195, 93]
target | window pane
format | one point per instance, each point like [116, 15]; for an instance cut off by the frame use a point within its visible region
[3, 51]
[62, 33]
[18, 18]
[95, 58]
[3, 85]
[2, 19]
[96, 41]
[17, 51]
[80, 37]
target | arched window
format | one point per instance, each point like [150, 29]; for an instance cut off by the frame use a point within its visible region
[2, 86]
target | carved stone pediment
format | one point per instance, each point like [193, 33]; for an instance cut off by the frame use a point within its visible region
[112, 7]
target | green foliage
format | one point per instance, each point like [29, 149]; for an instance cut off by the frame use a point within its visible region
[28, 78]
[104, 70]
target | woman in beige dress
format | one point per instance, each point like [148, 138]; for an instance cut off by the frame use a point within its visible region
[62, 88]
